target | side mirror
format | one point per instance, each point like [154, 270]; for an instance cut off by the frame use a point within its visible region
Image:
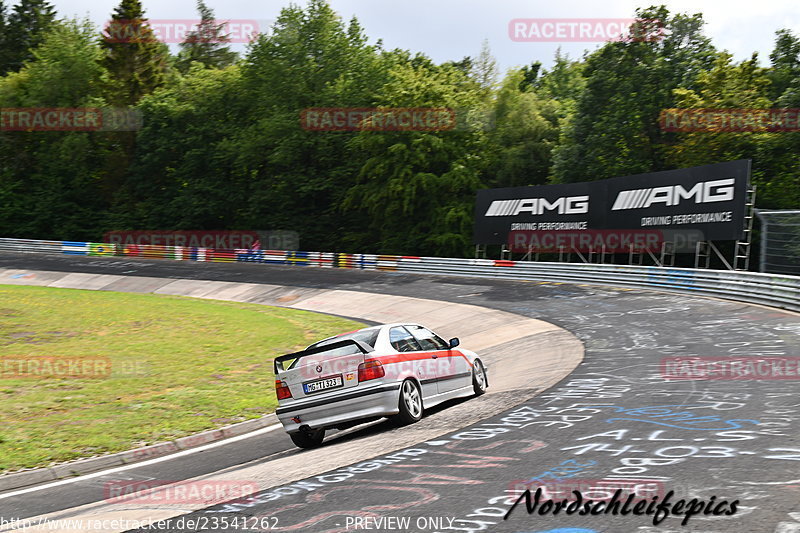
[454, 342]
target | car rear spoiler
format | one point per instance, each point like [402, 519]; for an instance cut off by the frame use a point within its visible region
[363, 348]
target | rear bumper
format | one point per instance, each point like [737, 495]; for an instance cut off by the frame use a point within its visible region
[378, 400]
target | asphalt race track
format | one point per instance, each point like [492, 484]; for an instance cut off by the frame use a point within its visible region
[615, 420]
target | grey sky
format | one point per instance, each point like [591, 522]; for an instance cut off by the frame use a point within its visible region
[450, 29]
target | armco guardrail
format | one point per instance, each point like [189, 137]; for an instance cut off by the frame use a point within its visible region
[765, 289]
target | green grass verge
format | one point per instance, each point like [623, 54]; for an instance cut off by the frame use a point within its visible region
[178, 366]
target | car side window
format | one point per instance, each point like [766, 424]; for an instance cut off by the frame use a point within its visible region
[403, 341]
[428, 339]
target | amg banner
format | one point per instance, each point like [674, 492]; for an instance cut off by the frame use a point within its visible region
[707, 202]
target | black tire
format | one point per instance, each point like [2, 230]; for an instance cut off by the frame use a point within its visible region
[479, 379]
[308, 439]
[410, 404]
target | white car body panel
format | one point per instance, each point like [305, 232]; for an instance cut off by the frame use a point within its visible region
[443, 374]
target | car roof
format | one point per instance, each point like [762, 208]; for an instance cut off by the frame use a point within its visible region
[379, 326]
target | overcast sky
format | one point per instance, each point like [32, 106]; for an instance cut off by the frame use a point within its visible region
[450, 29]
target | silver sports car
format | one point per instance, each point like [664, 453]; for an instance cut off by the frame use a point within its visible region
[393, 370]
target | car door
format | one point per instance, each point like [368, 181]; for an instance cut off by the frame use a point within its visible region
[422, 364]
[452, 369]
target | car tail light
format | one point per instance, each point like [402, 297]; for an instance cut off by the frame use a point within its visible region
[282, 390]
[370, 370]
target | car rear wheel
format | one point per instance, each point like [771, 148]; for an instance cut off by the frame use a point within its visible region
[479, 380]
[308, 439]
[410, 403]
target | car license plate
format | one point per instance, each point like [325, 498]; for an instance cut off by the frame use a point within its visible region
[322, 384]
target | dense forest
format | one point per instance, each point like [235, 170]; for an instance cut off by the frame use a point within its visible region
[221, 144]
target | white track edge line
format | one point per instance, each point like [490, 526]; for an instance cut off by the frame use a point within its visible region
[143, 463]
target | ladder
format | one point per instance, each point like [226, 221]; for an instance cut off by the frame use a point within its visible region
[667, 253]
[741, 259]
[702, 254]
[634, 253]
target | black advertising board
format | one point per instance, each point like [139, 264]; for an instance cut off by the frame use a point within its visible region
[498, 211]
[709, 199]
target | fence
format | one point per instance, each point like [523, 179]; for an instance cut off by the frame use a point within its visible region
[767, 289]
[780, 241]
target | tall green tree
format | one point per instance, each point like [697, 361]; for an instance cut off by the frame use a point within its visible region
[206, 44]
[465, 65]
[49, 181]
[135, 58]
[484, 68]
[615, 130]
[785, 61]
[564, 81]
[183, 175]
[137, 64]
[24, 30]
[418, 187]
[526, 131]
[530, 75]
[225, 148]
[3, 36]
[779, 166]
[297, 177]
[727, 85]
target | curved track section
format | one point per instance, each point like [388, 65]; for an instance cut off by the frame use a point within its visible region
[614, 420]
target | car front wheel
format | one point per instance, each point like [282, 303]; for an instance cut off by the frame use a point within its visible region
[479, 379]
[410, 403]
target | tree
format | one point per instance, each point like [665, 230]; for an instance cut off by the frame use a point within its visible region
[484, 68]
[296, 178]
[136, 60]
[465, 65]
[49, 181]
[184, 176]
[615, 129]
[418, 188]
[530, 75]
[137, 66]
[206, 44]
[3, 37]
[564, 81]
[225, 148]
[725, 86]
[785, 60]
[24, 31]
[744, 85]
[526, 132]
[779, 172]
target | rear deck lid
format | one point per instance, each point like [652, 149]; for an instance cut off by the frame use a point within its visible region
[322, 368]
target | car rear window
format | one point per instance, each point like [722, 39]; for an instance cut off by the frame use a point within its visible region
[368, 337]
